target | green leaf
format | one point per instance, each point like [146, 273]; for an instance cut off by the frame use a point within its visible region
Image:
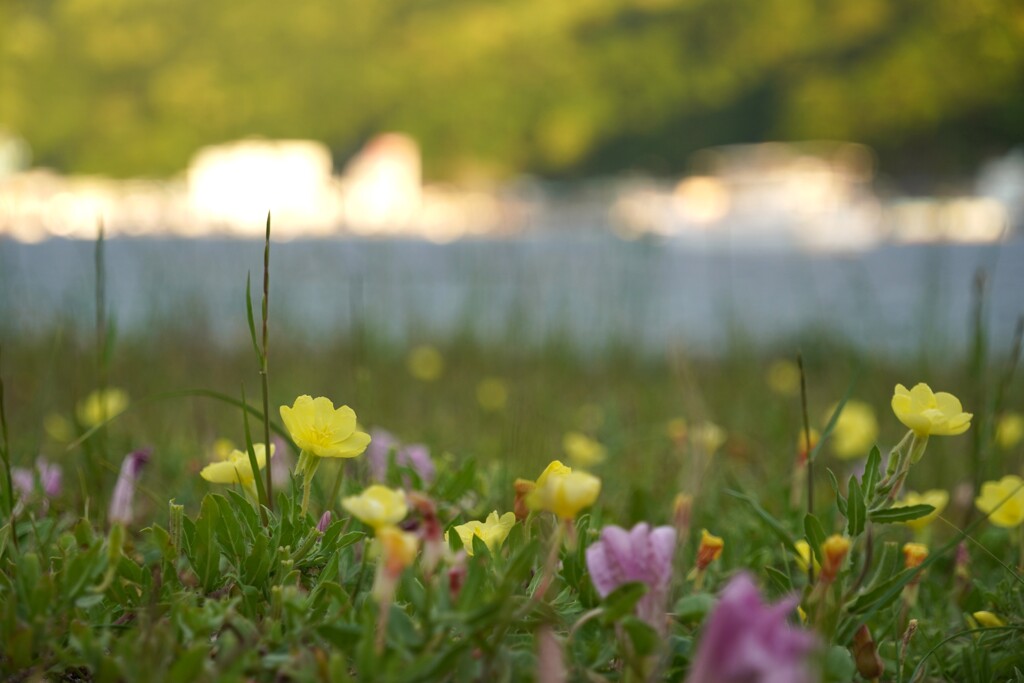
[871, 474]
[840, 498]
[622, 601]
[693, 608]
[815, 535]
[250, 317]
[901, 514]
[856, 510]
[839, 665]
[881, 595]
[188, 665]
[641, 635]
[205, 553]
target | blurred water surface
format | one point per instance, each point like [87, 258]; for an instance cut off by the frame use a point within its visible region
[589, 291]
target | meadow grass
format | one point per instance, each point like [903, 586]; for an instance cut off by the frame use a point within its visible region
[216, 587]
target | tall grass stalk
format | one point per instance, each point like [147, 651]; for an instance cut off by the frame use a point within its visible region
[807, 449]
[5, 442]
[264, 378]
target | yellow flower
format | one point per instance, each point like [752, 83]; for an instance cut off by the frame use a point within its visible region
[377, 506]
[708, 437]
[855, 431]
[1009, 430]
[834, 551]
[222, 449]
[784, 378]
[710, 549]
[582, 450]
[493, 531]
[398, 548]
[930, 414]
[1003, 501]
[937, 498]
[425, 363]
[492, 394]
[804, 556]
[235, 468]
[58, 427]
[101, 405]
[562, 491]
[914, 554]
[320, 430]
[988, 619]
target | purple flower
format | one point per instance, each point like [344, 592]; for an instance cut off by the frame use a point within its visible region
[748, 641]
[325, 521]
[416, 456]
[124, 491]
[24, 479]
[642, 554]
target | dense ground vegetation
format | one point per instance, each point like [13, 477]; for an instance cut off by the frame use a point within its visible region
[701, 532]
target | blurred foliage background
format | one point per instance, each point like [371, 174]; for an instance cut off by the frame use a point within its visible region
[499, 87]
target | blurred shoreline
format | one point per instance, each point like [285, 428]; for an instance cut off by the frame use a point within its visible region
[591, 292]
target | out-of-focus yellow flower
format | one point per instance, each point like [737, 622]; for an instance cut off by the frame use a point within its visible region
[1003, 501]
[235, 468]
[1009, 430]
[582, 450]
[562, 491]
[492, 394]
[425, 363]
[914, 554]
[222, 449]
[707, 437]
[937, 498]
[377, 506]
[928, 413]
[397, 548]
[855, 431]
[101, 405]
[709, 550]
[320, 430]
[58, 427]
[834, 551]
[988, 619]
[805, 556]
[676, 429]
[784, 378]
[493, 531]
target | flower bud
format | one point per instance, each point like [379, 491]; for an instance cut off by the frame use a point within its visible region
[709, 550]
[325, 521]
[865, 655]
[834, 551]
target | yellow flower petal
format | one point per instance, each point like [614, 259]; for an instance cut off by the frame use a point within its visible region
[1003, 501]
[930, 414]
[377, 506]
[321, 430]
[493, 531]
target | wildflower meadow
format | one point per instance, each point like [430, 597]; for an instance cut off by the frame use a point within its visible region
[177, 510]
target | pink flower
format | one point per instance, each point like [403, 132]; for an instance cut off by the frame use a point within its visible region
[121, 503]
[414, 455]
[325, 521]
[642, 554]
[748, 641]
[24, 479]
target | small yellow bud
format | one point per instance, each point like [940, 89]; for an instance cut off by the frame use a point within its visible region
[710, 549]
[834, 551]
